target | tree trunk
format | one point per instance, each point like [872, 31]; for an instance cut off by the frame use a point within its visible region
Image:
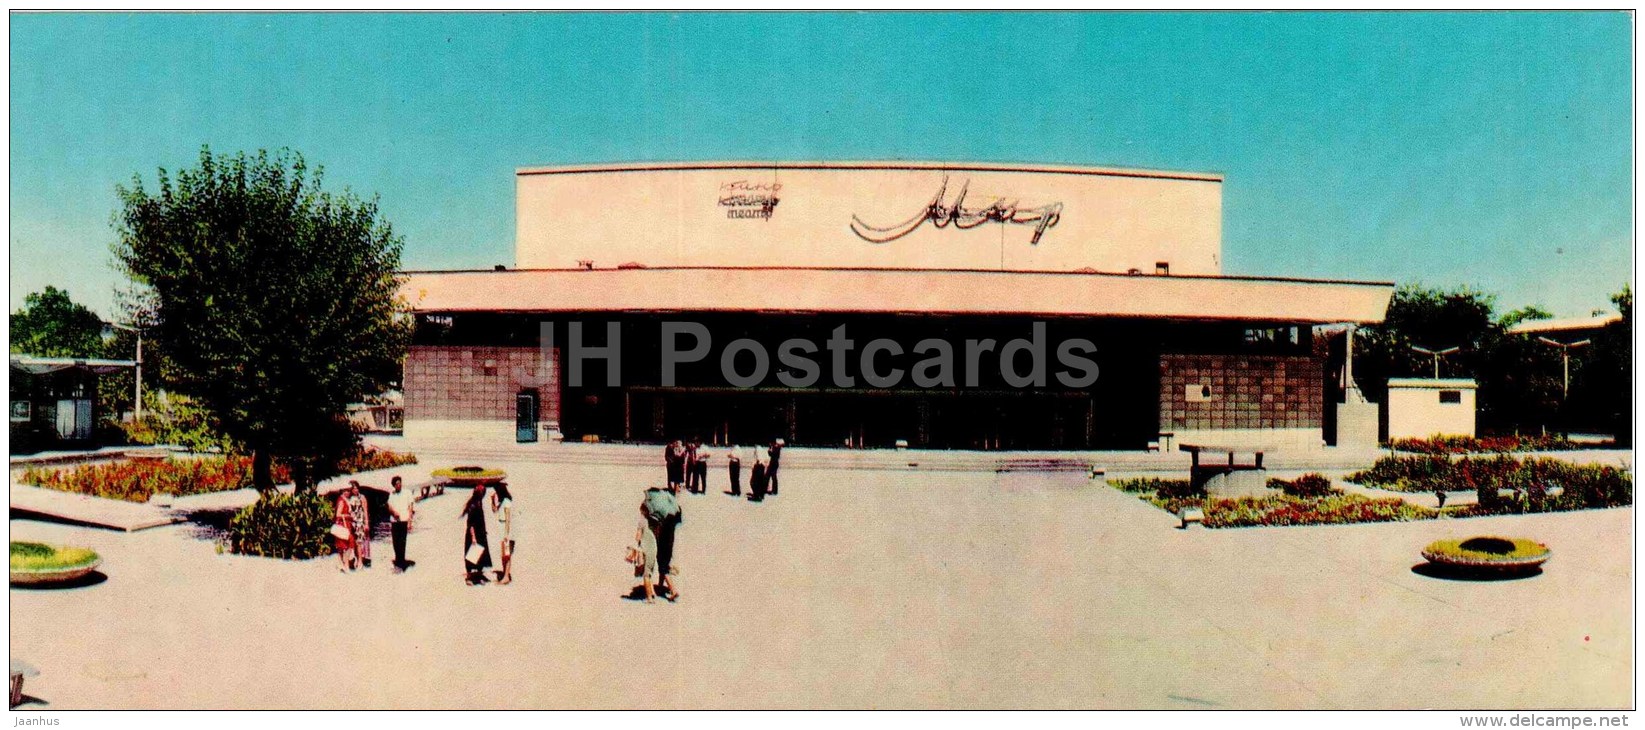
[262, 471]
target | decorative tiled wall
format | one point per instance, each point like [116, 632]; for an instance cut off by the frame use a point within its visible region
[1246, 392]
[477, 383]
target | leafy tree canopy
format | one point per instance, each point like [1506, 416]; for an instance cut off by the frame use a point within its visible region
[1521, 379]
[50, 324]
[1525, 314]
[273, 301]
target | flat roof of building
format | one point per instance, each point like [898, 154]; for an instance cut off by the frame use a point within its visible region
[902, 291]
[1565, 324]
[1439, 383]
[41, 365]
[871, 165]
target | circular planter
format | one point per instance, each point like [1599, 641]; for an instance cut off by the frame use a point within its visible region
[469, 476]
[26, 576]
[1498, 555]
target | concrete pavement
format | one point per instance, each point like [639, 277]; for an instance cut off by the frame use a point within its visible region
[851, 589]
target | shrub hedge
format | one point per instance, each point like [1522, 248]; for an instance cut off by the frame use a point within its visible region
[1505, 484]
[279, 525]
[1307, 485]
[1486, 445]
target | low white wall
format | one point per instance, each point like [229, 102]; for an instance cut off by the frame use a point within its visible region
[492, 432]
[1415, 408]
[1253, 438]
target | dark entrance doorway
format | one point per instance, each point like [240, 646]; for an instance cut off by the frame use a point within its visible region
[525, 417]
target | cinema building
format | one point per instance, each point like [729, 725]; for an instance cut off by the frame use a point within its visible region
[1129, 260]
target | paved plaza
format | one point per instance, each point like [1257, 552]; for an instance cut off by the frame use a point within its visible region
[851, 589]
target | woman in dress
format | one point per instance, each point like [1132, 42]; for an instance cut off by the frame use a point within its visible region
[502, 505]
[645, 538]
[757, 477]
[361, 512]
[474, 535]
[342, 533]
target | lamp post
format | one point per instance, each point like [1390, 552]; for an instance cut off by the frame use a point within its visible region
[1565, 358]
[137, 404]
[1436, 354]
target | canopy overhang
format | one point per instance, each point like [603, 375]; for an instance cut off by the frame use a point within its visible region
[903, 291]
[42, 365]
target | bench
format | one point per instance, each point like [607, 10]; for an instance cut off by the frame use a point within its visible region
[429, 489]
[1190, 515]
[1230, 476]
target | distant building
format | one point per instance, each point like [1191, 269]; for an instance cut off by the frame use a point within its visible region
[1588, 410]
[54, 400]
[1567, 329]
[1128, 259]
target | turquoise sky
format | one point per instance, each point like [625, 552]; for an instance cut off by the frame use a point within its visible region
[1484, 149]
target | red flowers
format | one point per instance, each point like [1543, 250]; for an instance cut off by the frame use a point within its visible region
[135, 480]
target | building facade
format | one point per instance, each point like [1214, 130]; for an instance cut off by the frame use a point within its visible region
[1008, 265]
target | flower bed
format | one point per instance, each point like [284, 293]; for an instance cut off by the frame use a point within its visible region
[1276, 510]
[1489, 548]
[1488, 553]
[1487, 445]
[1505, 484]
[136, 480]
[371, 458]
[33, 562]
[469, 475]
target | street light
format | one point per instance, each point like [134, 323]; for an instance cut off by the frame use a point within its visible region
[138, 403]
[1565, 356]
[1437, 354]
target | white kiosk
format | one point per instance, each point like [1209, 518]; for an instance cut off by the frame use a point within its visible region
[1423, 407]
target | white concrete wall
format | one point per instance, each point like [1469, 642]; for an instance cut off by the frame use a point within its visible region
[1413, 408]
[698, 214]
[483, 432]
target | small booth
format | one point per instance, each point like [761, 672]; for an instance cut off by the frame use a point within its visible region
[54, 399]
[1423, 407]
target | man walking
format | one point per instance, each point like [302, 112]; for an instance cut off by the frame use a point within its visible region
[699, 472]
[776, 461]
[691, 448]
[734, 468]
[401, 506]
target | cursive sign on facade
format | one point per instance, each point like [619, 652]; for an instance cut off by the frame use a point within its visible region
[942, 214]
[744, 199]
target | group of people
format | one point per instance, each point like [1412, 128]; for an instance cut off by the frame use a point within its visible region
[351, 529]
[687, 465]
[476, 545]
[351, 525]
[652, 555]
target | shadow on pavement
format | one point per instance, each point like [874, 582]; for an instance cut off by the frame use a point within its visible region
[1471, 575]
[89, 579]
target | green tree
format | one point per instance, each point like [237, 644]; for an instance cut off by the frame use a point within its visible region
[1524, 314]
[273, 302]
[51, 324]
[1519, 388]
[1602, 378]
